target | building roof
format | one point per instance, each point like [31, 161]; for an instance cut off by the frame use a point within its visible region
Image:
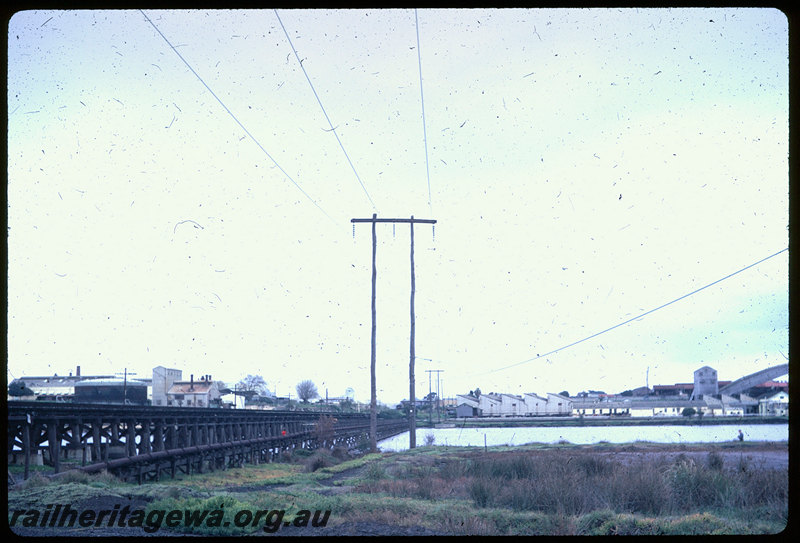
[59, 380]
[186, 387]
[110, 382]
[649, 404]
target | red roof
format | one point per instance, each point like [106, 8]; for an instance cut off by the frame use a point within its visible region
[183, 387]
[773, 384]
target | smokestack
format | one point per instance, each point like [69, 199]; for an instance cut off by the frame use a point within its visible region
[191, 381]
[78, 372]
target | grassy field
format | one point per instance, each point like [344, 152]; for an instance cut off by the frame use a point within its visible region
[530, 490]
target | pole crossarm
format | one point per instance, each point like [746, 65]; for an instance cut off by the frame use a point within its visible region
[376, 219]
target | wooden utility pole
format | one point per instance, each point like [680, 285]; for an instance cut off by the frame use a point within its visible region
[125, 385]
[412, 423]
[438, 418]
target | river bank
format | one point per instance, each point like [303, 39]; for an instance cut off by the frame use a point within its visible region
[597, 420]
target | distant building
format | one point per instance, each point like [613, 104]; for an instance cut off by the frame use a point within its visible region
[201, 393]
[511, 405]
[111, 391]
[465, 410]
[535, 405]
[163, 378]
[55, 387]
[705, 383]
[774, 405]
[678, 389]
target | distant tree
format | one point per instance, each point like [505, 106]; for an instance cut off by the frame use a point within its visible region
[564, 393]
[306, 390]
[253, 383]
[18, 388]
[477, 392]
[688, 412]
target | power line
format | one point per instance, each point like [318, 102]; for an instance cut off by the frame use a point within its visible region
[422, 100]
[323, 109]
[638, 316]
[289, 177]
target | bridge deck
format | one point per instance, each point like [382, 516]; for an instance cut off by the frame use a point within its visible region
[141, 442]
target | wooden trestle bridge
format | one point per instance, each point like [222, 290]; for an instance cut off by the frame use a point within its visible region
[144, 443]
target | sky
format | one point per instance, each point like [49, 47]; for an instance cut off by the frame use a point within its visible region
[181, 186]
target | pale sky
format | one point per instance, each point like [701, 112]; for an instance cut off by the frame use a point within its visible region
[177, 196]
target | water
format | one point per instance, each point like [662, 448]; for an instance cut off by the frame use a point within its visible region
[586, 435]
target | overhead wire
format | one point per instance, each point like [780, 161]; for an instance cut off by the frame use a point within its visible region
[333, 129]
[285, 173]
[422, 100]
[538, 356]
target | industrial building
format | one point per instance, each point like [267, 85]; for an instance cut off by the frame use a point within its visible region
[510, 405]
[755, 394]
[201, 393]
[165, 389]
[111, 391]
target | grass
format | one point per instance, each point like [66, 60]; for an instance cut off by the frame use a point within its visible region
[530, 490]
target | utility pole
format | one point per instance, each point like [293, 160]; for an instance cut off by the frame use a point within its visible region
[373, 416]
[430, 415]
[430, 399]
[125, 385]
[438, 417]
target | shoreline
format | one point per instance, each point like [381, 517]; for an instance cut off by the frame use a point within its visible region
[512, 422]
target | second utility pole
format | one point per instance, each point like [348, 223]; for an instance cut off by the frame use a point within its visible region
[373, 416]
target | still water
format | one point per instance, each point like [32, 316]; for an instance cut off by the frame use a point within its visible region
[584, 435]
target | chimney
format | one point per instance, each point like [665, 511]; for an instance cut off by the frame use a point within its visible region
[191, 381]
[78, 372]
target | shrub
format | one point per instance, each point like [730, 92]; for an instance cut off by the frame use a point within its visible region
[320, 459]
[375, 471]
[34, 481]
[300, 453]
[340, 452]
[481, 490]
[715, 460]
[430, 439]
[469, 525]
[637, 488]
[630, 525]
[590, 523]
[594, 465]
[285, 456]
[453, 469]
[226, 506]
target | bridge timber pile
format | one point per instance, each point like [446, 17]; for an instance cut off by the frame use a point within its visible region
[142, 443]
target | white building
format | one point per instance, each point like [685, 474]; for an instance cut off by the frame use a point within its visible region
[535, 405]
[775, 405]
[201, 393]
[558, 404]
[163, 378]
